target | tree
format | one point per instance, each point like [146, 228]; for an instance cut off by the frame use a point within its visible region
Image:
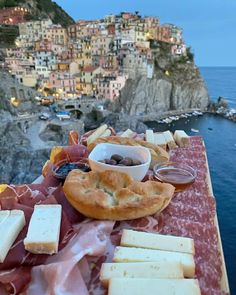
[190, 54]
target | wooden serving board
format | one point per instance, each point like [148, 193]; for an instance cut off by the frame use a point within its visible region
[224, 278]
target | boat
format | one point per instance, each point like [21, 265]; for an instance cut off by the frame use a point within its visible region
[63, 115]
[194, 130]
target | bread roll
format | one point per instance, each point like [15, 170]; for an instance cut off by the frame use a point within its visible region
[114, 195]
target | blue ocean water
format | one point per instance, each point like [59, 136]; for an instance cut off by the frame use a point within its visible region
[221, 81]
[220, 139]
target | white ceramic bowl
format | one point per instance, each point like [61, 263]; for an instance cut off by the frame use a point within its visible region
[106, 150]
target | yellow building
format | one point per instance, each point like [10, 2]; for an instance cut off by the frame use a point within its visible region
[86, 80]
[57, 35]
[100, 45]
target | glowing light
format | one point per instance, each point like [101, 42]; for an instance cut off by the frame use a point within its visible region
[14, 102]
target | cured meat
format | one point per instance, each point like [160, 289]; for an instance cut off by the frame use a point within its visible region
[73, 137]
[18, 259]
[90, 243]
[91, 240]
[73, 153]
[191, 213]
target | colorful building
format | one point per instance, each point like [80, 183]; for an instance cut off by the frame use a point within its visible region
[109, 87]
[62, 83]
[13, 15]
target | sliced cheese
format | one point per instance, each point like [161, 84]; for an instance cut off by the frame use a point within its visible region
[44, 230]
[127, 133]
[123, 286]
[140, 239]
[125, 254]
[169, 139]
[149, 136]
[181, 138]
[159, 139]
[106, 133]
[140, 270]
[97, 133]
[11, 224]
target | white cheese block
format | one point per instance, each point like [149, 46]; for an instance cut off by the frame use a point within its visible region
[169, 139]
[181, 138]
[159, 139]
[127, 133]
[119, 286]
[140, 270]
[131, 238]
[106, 133]
[125, 254]
[11, 224]
[97, 133]
[44, 230]
[149, 136]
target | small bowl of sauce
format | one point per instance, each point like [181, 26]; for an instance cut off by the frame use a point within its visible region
[62, 169]
[179, 175]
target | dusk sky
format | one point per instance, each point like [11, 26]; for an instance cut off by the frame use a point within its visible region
[209, 25]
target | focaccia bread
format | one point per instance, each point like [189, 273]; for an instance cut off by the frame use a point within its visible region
[114, 195]
[158, 154]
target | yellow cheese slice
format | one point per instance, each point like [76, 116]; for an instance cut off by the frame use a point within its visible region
[11, 224]
[118, 286]
[131, 238]
[44, 229]
[140, 270]
[125, 254]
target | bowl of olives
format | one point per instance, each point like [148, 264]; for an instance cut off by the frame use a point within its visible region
[133, 160]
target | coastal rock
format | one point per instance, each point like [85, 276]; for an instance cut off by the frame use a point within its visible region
[181, 88]
[121, 122]
[57, 131]
[24, 96]
[189, 95]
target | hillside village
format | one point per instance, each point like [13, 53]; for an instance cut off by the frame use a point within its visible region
[88, 58]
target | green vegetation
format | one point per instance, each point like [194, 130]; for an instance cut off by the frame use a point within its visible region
[190, 54]
[55, 12]
[7, 3]
[41, 9]
[8, 35]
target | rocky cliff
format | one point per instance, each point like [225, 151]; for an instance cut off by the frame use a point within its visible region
[26, 141]
[178, 88]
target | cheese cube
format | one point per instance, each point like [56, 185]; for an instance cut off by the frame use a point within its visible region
[125, 254]
[131, 238]
[181, 138]
[159, 139]
[140, 270]
[106, 133]
[96, 134]
[44, 230]
[127, 133]
[123, 286]
[149, 136]
[169, 139]
[11, 224]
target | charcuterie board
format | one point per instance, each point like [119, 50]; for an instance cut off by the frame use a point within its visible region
[191, 213]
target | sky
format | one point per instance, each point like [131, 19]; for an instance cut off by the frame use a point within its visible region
[209, 26]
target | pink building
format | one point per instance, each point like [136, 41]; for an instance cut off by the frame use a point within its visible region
[62, 82]
[109, 87]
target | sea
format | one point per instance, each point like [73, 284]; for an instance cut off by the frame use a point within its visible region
[219, 135]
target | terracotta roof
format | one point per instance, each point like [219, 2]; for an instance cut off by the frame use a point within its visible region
[89, 69]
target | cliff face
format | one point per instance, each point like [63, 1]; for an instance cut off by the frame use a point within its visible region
[178, 89]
